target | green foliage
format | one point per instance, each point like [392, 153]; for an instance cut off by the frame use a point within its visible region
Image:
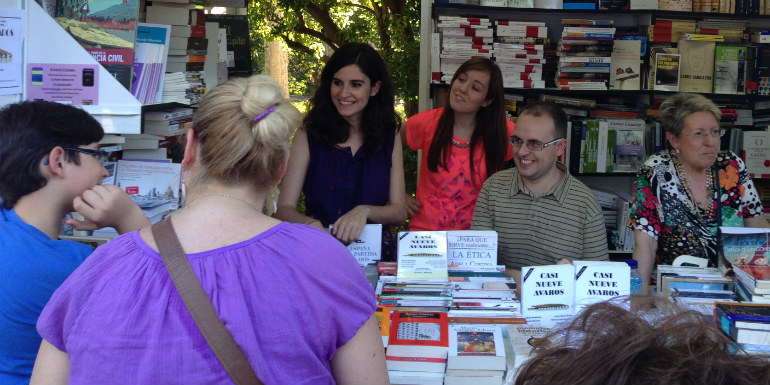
[311, 30]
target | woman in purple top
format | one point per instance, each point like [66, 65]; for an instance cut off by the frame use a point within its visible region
[293, 298]
[347, 158]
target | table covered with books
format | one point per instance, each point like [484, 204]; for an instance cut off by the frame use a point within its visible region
[449, 315]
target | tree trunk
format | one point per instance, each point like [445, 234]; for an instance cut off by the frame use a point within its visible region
[277, 65]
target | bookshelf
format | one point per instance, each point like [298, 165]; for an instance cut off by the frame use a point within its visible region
[431, 94]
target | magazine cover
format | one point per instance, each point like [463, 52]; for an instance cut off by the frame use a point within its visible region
[106, 29]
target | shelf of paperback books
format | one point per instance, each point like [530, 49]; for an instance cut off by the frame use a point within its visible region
[442, 7]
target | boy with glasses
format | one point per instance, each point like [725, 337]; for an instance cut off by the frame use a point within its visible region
[541, 213]
[50, 165]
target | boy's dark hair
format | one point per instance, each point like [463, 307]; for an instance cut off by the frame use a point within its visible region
[380, 122]
[28, 131]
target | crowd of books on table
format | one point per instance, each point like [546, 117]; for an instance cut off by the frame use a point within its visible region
[448, 315]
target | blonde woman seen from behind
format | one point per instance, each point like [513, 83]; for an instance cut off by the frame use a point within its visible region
[294, 299]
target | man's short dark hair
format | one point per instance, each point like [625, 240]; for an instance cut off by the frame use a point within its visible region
[548, 109]
[31, 129]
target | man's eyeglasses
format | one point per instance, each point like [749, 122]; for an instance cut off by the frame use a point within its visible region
[532, 145]
[700, 135]
[101, 156]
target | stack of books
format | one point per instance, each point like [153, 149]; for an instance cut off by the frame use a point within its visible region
[476, 355]
[753, 282]
[417, 347]
[585, 51]
[520, 52]
[732, 31]
[461, 38]
[184, 87]
[747, 324]
[696, 288]
[168, 123]
[414, 294]
[485, 302]
[187, 47]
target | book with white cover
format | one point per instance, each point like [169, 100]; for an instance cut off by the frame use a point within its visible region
[523, 339]
[469, 249]
[477, 347]
[368, 248]
[597, 281]
[756, 153]
[153, 186]
[422, 255]
[547, 292]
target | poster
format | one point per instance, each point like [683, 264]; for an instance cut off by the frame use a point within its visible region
[11, 60]
[64, 83]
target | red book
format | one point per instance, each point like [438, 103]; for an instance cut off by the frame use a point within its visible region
[419, 341]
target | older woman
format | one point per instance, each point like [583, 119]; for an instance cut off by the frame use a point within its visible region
[682, 195]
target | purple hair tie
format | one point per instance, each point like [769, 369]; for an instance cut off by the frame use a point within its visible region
[262, 115]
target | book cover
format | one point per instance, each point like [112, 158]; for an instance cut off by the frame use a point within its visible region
[697, 67]
[625, 68]
[666, 71]
[383, 321]
[367, 249]
[419, 341]
[745, 246]
[547, 292]
[150, 62]
[422, 255]
[755, 152]
[523, 339]
[629, 148]
[238, 43]
[600, 281]
[106, 29]
[729, 62]
[471, 249]
[478, 347]
[154, 186]
[675, 5]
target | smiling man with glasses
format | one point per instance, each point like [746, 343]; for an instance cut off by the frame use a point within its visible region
[541, 213]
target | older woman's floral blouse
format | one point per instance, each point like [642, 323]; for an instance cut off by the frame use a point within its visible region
[662, 208]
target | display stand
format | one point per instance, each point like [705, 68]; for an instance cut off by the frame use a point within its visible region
[47, 42]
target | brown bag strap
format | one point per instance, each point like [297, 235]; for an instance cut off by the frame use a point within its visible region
[198, 303]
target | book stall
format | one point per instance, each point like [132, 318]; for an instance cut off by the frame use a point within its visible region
[449, 315]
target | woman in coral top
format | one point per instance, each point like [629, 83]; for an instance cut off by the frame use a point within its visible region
[464, 142]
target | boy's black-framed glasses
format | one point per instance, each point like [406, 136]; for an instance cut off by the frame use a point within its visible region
[101, 156]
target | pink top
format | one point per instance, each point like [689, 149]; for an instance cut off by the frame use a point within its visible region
[448, 196]
[290, 296]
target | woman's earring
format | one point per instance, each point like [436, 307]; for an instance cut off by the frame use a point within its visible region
[45, 162]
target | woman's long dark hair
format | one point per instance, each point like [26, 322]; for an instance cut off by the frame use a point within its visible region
[380, 121]
[490, 127]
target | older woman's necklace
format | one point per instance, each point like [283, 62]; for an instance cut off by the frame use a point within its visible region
[708, 201]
